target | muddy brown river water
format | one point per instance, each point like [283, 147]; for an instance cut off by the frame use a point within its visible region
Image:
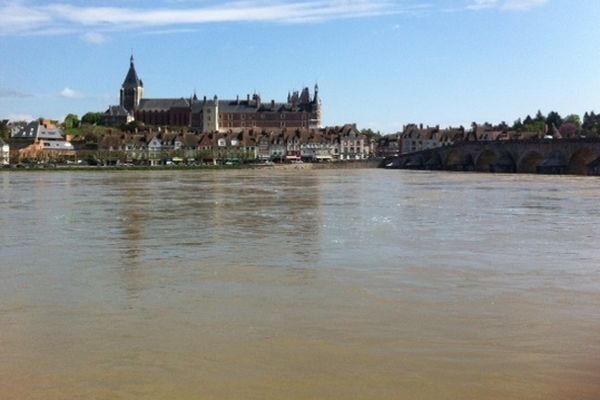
[311, 284]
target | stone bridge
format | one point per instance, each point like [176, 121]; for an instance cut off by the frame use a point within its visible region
[551, 156]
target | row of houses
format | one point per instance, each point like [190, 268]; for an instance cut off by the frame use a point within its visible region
[414, 138]
[41, 140]
[327, 144]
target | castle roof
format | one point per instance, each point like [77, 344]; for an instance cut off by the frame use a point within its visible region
[162, 104]
[248, 107]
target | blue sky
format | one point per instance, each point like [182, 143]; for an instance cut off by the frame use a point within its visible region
[380, 63]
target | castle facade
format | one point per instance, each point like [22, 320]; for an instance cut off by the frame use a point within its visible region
[301, 110]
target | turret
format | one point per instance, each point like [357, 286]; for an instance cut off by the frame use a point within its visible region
[316, 107]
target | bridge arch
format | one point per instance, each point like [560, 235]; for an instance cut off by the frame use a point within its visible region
[415, 162]
[530, 162]
[554, 163]
[578, 164]
[506, 163]
[433, 162]
[486, 161]
[456, 161]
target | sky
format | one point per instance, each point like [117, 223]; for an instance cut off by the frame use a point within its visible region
[381, 64]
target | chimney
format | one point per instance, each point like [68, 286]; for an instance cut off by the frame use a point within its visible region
[272, 105]
[237, 99]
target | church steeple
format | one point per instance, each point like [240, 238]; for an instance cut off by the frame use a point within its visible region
[132, 90]
[131, 79]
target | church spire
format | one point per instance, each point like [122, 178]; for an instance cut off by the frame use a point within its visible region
[132, 80]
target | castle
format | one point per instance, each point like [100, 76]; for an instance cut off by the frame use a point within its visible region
[301, 110]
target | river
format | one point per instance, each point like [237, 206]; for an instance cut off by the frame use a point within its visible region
[310, 284]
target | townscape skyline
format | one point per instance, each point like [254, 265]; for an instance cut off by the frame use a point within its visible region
[382, 64]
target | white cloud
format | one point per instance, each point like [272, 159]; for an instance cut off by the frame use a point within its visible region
[70, 94]
[23, 18]
[93, 38]
[18, 18]
[482, 4]
[508, 5]
[522, 5]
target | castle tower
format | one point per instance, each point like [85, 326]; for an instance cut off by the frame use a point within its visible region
[132, 90]
[210, 114]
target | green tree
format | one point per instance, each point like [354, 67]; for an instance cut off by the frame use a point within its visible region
[369, 133]
[535, 127]
[518, 125]
[71, 121]
[554, 118]
[4, 130]
[131, 127]
[591, 124]
[539, 117]
[574, 119]
[93, 118]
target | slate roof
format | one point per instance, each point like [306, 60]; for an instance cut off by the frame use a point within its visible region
[53, 134]
[35, 130]
[116, 111]
[132, 79]
[238, 107]
[162, 104]
[28, 132]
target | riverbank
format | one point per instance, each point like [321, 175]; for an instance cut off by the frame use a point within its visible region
[358, 164]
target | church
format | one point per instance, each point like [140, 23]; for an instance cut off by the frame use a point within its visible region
[301, 110]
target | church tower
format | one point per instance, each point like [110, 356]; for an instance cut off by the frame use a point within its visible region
[132, 90]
